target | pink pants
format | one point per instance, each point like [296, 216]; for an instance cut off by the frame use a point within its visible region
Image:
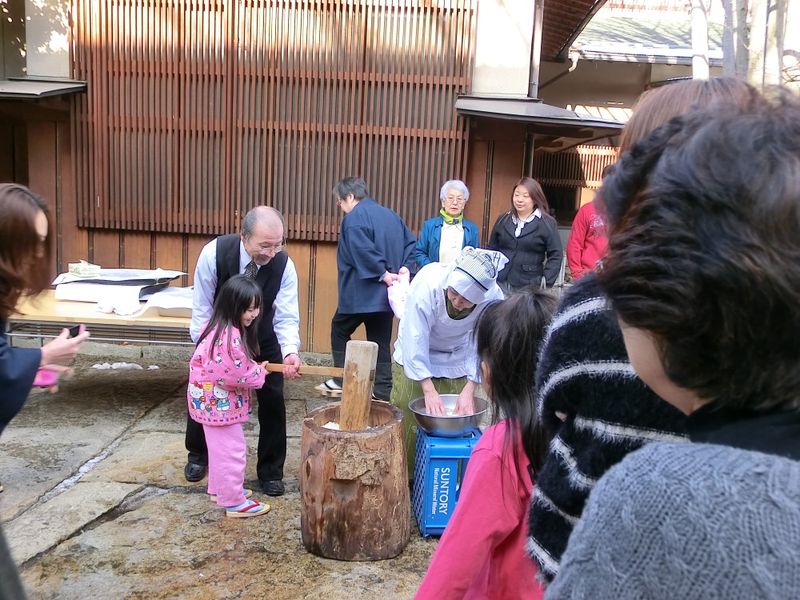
[227, 459]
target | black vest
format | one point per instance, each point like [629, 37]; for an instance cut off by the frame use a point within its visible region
[268, 279]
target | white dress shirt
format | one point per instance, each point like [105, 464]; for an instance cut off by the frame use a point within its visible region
[520, 223]
[451, 242]
[286, 322]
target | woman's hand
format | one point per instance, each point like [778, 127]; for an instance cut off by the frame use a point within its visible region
[433, 402]
[465, 405]
[63, 349]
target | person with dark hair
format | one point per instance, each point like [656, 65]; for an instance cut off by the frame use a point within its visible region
[490, 517]
[444, 236]
[25, 251]
[374, 243]
[589, 398]
[222, 374]
[658, 105]
[258, 253]
[528, 236]
[703, 273]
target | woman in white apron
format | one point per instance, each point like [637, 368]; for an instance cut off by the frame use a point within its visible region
[435, 350]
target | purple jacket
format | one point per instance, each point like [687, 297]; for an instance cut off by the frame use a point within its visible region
[220, 381]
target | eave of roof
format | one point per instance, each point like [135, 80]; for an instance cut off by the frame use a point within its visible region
[650, 56]
[562, 22]
[647, 37]
[27, 88]
[557, 127]
[530, 110]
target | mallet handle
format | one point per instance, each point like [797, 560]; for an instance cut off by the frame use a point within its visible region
[306, 369]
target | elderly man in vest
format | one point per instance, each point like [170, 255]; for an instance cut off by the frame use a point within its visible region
[257, 253]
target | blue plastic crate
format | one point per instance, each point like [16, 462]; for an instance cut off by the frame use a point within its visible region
[438, 471]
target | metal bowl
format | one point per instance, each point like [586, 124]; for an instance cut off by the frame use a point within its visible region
[451, 425]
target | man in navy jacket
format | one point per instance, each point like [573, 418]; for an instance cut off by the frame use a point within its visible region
[373, 244]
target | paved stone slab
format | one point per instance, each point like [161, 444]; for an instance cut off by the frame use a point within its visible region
[56, 433]
[317, 402]
[27, 342]
[166, 539]
[144, 458]
[158, 459]
[170, 415]
[49, 523]
[295, 413]
[178, 545]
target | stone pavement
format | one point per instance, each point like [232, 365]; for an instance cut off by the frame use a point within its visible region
[95, 503]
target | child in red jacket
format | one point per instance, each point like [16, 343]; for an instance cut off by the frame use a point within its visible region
[481, 554]
[588, 241]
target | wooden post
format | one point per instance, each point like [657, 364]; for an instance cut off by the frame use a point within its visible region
[360, 360]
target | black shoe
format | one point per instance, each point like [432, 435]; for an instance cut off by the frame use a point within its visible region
[272, 487]
[194, 472]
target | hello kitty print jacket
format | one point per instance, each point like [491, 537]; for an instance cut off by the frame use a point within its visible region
[221, 381]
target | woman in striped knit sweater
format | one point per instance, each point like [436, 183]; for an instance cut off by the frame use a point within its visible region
[590, 399]
[704, 275]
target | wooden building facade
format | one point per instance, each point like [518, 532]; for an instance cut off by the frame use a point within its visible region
[197, 110]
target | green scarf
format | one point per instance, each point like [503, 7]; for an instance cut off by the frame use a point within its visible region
[451, 220]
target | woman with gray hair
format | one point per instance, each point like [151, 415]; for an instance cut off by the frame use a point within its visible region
[443, 236]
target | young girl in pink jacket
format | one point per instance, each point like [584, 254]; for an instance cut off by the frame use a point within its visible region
[481, 554]
[222, 375]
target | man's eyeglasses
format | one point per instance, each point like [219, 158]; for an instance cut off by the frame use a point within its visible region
[274, 248]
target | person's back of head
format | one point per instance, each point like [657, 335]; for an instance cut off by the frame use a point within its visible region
[705, 251]
[354, 186]
[658, 105]
[507, 337]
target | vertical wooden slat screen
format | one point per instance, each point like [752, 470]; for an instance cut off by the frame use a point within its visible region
[198, 110]
[581, 166]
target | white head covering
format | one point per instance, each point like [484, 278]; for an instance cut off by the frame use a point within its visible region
[474, 273]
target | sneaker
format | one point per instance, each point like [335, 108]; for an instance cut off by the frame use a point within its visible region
[329, 388]
[248, 508]
[247, 494]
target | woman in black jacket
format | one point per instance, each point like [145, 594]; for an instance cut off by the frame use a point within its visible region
[529, 238]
